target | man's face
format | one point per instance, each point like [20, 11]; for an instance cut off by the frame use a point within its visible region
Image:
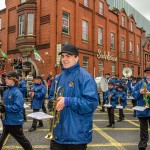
[68, 60]
[147, 73]
[37, 81]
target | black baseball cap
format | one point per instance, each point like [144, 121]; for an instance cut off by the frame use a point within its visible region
[38, 77]
[70, 49]
[12, 74]
[147, 69]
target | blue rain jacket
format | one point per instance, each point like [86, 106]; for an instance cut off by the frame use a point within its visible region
[23, 87]
[139, 97]
[39, 96]
[123, 98]
[14, 102]
[81, 99]
[113, 100]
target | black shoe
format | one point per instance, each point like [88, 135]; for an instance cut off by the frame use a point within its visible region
[102, 110]
[113, 125]
[109, 125]
[39, 125]
[32, 129]
[119, 120]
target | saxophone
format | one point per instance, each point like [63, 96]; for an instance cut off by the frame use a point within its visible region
[146, 99]
[56, 114]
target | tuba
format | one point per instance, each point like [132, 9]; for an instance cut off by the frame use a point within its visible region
[56, 114]
[127, 72]
[102, 84]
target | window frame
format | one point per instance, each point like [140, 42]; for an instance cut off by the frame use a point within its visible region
[84, 34]
[123, 21]
[113, 68]
[22, 1]
[131, 48]
[67, 20]
[112, 40]
[30, 25]
[21, 28]
[86, 63]
[131, 26]
[100, 65]
[122, 44]
[100, 36]
[86, 3]
[101, 8]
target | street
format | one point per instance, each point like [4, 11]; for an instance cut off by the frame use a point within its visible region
[125, 136]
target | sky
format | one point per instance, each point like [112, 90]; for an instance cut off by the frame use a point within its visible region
[140, 5]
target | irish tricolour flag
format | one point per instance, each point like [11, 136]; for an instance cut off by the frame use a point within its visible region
[37, 56]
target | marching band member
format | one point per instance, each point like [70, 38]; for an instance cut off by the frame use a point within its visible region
[142, 95]
[37, 93]
[110, 97]
[131, 89]
[121, 97]
[13, 109]
[77, 105]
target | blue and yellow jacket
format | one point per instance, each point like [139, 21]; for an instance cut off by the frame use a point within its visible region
[81, 99]
[14, 105]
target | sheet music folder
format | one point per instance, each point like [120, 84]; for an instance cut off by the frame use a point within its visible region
[40, 115]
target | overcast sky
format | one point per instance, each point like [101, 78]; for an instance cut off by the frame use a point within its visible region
[143, 6]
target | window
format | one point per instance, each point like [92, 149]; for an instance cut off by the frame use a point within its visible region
[65, 23]
[112, 40]
[30, 24]
[86, 3]
[137, 51]
[123, 66]
[131, 26]
[85, 63]
[21, 25]
[22, 1]
[84, 30]
[100, 36]
[113, 68]
[0, 23]
[122, 45]
[131, 47]
[100, 73]
[101, 8]
[123, 21]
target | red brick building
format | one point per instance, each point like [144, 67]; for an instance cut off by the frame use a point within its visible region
[108, 40]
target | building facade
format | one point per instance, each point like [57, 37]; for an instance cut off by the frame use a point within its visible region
[108, 40]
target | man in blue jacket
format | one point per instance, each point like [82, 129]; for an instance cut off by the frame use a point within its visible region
[13, 109]
[142, 94]
[76, 106]
[37, 94]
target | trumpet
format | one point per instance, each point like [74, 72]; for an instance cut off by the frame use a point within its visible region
[145, 96]
[56, 114]
[2, 115]
[109, 99]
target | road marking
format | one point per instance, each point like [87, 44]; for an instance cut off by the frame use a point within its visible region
[112, 141]
[130, 121]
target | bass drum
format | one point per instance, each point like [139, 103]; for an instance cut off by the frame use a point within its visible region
[102, 84]
[1, 128]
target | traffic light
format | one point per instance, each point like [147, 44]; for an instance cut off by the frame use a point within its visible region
[20, 63]
[15, 63]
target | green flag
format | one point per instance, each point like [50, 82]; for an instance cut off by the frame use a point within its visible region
[3, 54]
[37, 56]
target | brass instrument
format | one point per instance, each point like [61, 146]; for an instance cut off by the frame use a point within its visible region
[56, 114]
[145, 96]
[119, 100]
[127, 72]
[109, 99]
[2, 115]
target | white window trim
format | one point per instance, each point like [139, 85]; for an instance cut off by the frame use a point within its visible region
[84, 28]
[101, 8]
[86, 3]
[100, 36]
[31, 26]
[67, 21]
